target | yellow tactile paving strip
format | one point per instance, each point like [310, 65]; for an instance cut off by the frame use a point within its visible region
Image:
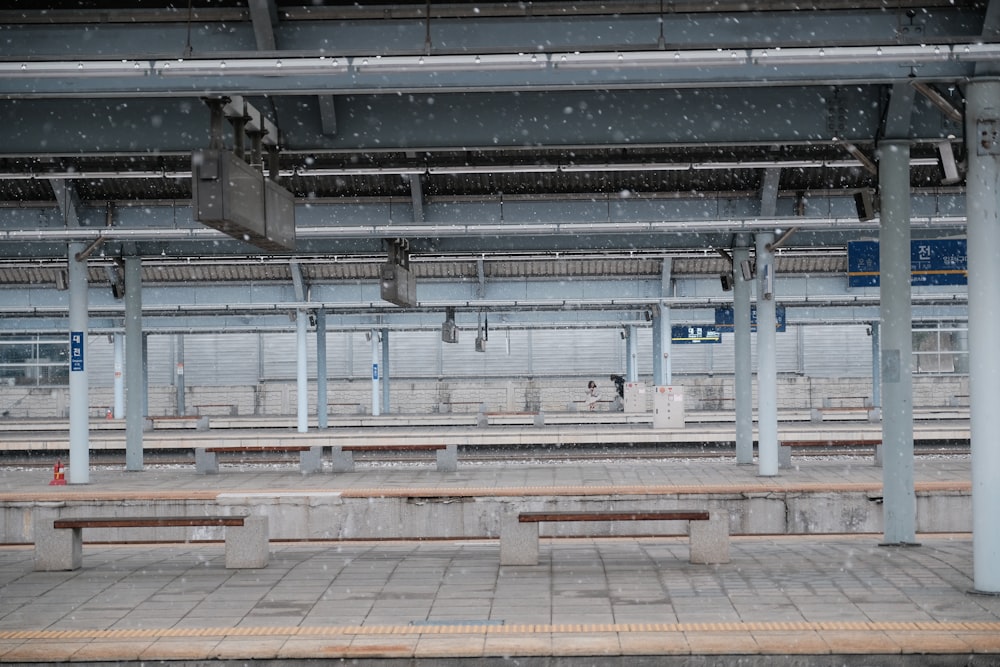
[765, 638]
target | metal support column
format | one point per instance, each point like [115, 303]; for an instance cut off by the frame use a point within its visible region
[876, 365]
[376, 353]
[385, 371]
[118, 411]
[661, 346]
[179, 375]
[743, 370]
[322, 407]
[632, 354]
[899, 503]
[767, 374]
[79, 419]
[982, 120]
[135, 373]
[301, 371]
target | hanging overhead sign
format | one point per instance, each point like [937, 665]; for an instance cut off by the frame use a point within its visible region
[695, 333]
[725, 318]
[932, 262]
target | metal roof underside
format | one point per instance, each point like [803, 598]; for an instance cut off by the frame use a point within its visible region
[545, 139]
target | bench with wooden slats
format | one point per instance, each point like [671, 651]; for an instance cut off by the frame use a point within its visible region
[59, 540]
[708, 531]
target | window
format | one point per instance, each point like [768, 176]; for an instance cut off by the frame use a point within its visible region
[34, 361]
[937, 349]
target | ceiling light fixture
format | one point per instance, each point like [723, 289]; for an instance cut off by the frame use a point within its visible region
[851, 55]
[74, 68]
[453, 63]
[250, 66]
[658, 59]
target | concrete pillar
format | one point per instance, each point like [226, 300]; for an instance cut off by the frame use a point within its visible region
[743, 371]
[385, 371]
[322, 408]
[632, 354]
[767, 367]
[376, 354]
[135, 365]
[876, 365]
[661, 346]
[301, 371]
[179, 374]
[79, 404]
[118, 412]
[983, 185]
[899, 504]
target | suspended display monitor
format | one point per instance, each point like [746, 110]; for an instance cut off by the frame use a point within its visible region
[238, 200]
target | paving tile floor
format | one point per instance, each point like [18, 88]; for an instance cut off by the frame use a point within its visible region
[828, 595]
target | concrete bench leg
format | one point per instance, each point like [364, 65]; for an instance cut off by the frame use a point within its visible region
[710, 539]
[247, 545]
[342, 461]
[518, 542]
[784, 456]
[205, 463]
[56, 549]
[447, 459]
[311, 461]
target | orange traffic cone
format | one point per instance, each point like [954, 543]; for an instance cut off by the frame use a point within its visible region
[58, 476]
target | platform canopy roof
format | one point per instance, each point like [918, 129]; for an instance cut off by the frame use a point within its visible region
[526, 133]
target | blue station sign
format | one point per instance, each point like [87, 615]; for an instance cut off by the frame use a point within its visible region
[726, 317]
[932, 262]
[695, 333]
[76, 349]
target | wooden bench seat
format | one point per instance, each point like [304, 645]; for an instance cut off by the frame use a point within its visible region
[446, 455]
[708, 531]
[59, 540]
[206, 459]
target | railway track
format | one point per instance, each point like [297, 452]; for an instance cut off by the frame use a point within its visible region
[483, 454]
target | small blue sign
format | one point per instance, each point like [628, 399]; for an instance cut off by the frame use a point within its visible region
[374, 371]
[725, 318]
[76, 351]
[932, 262]
[695, 333]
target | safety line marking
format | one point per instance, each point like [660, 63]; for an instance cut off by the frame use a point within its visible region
[564, 628]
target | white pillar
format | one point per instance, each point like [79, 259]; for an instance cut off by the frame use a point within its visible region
[136, 405]
[632, 350]
[983, 186]
[376, 356]
[767, 366]
[384, 371]
[743, 366]
[118, 412]
[79, 421]
[661, 346]
[321, 399]
[301, 371]
[899, 505]
[179, 387]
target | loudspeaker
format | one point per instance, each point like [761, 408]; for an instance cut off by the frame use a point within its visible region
[865, 205]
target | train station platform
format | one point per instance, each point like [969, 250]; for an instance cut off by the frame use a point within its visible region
[399, 564]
